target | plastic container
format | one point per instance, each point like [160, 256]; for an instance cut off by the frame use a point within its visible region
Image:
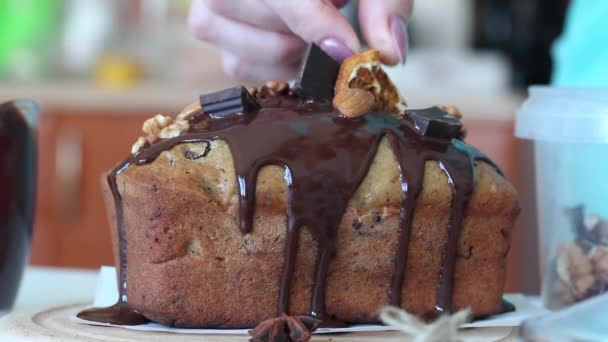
[569, 128]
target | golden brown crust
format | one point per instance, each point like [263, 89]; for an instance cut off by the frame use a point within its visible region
[189, 265]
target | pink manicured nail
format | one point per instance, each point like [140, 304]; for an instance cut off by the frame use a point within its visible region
[399, 32]
[336, 48]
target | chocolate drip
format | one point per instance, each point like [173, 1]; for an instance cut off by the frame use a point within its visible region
[325, 157]
[411, 185]
[119, 313]
[458, 165]
[460, 172]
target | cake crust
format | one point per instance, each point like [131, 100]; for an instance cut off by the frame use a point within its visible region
[190, 267]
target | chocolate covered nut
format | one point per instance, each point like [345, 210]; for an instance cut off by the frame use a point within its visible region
[234, 101]
[317, 75]
[434, 123]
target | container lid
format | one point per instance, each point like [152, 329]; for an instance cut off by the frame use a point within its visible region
[564, 114]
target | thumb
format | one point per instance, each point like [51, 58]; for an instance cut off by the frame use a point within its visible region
[383, 26]
[318, 21]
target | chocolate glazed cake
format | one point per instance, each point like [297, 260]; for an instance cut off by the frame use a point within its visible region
[271, 202]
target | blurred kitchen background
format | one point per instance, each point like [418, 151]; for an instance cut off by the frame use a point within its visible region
[100, 67]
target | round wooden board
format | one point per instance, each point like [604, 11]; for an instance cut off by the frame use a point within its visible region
[54, 324]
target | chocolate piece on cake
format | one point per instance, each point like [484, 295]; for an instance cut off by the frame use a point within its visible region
[435, 123]
[234, 101]
[317, 75]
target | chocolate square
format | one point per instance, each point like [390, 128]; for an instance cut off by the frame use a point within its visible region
[228, 102]
[435, 123]
[317, 75]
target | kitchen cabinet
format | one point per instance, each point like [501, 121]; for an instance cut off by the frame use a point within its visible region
[75, 149]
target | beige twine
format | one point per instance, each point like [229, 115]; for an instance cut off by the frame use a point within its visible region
[445, 328]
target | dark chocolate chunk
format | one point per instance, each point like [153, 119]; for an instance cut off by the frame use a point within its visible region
[435, 123]
[317, 75]
[228, 102]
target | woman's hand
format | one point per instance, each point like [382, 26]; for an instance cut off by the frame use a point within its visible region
[264, 39]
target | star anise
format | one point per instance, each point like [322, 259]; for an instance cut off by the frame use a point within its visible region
[285, 329]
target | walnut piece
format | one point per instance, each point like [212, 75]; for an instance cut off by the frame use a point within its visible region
[270, 89]
[164, 127]
[154, 125]
[139, 144]
[174, 129]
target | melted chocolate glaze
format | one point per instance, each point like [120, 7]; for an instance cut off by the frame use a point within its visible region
[325, 157]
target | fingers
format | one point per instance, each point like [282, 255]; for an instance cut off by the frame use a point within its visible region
[320, 22]
[245, 70]
[383, 24]
[253, 12]
[241, 39]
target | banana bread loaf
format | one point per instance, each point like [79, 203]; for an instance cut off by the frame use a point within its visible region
[190, 265]
[257, 203]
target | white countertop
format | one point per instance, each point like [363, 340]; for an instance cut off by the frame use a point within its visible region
[43, 287]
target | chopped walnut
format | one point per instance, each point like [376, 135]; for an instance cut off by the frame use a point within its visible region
[174, 129]
[270, 89]
[139, 144]
[155, 124]
[274, 88]
[164, 127]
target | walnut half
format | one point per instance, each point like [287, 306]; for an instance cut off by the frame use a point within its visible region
[165, 127]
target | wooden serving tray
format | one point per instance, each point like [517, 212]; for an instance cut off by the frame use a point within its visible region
[54, 324]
